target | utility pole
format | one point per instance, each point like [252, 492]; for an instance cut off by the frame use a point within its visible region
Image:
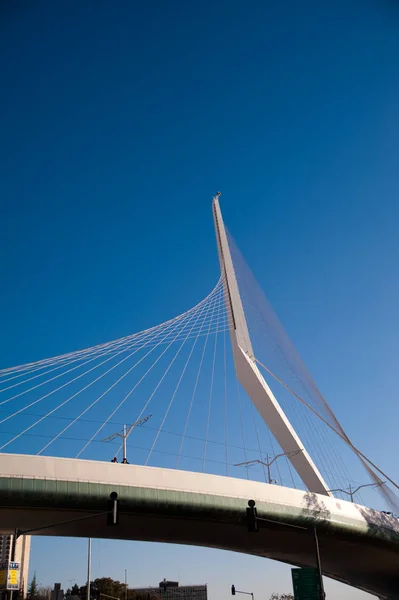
[351, 492]
[124, 438]
[88, 568]
[125, 584]
[126, 432]
[267, 463]
[318, 562]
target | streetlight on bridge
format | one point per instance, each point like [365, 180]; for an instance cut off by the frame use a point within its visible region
[268, 463]
[126, 432]
[351, 492]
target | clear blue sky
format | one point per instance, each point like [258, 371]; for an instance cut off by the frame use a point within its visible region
[118, 123]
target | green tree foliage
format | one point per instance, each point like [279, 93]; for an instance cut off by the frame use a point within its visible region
[33, 588]
[75, 590]
[105, 586]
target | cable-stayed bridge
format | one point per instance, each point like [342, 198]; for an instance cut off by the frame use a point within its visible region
[211, 408]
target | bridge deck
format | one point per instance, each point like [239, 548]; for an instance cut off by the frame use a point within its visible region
[358, 546]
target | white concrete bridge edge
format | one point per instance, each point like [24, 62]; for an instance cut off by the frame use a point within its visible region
[90, 471]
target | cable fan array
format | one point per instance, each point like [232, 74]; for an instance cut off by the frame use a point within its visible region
[76, 397]
[182, 373]
[307, 409]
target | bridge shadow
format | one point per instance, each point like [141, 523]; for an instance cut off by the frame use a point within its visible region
[315, 510]
[382, 525]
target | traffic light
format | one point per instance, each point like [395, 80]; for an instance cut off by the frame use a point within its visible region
[233, 590]
[113, 509]
[252, 517]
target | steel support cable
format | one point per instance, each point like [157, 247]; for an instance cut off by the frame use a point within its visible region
[243, 295]
[116, 423]
[74, 357]
[250, 318]
[74, 438]
[117, 451]
[176, 320]
[124, 400]
[127, 347]
[268, 316]
[146, 449]
[329, 457]
[31, 414]
[273, 450]
[177, 387]
[96, 366]
[98, 399]
[194, 334]
[155, 429]
[290, 472]
[73, 396]
[242, 425]
[286, 345]
[77, 355]
[57, 366]
[307, 425]
[248, 300]
[68, 383]
[343, 437]
[97, 350]
[216, 329]
[328, 466]
[62, 375]
[258, 440]
[226, 423]
[42, 364]
[172, 398]
[99, 346]
[307, 428]
[128, 344]
[130, 392]
[210, 397]
[194, 393]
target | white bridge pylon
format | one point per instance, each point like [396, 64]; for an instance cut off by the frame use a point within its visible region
[249, 375]
[182, 373]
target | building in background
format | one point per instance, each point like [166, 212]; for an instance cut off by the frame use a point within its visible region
[171, 590]
[22, 556]
[57, 593]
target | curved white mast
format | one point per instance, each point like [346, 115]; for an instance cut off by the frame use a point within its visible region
[249, 375]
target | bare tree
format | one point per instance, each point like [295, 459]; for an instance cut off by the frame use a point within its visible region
[44, 593]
